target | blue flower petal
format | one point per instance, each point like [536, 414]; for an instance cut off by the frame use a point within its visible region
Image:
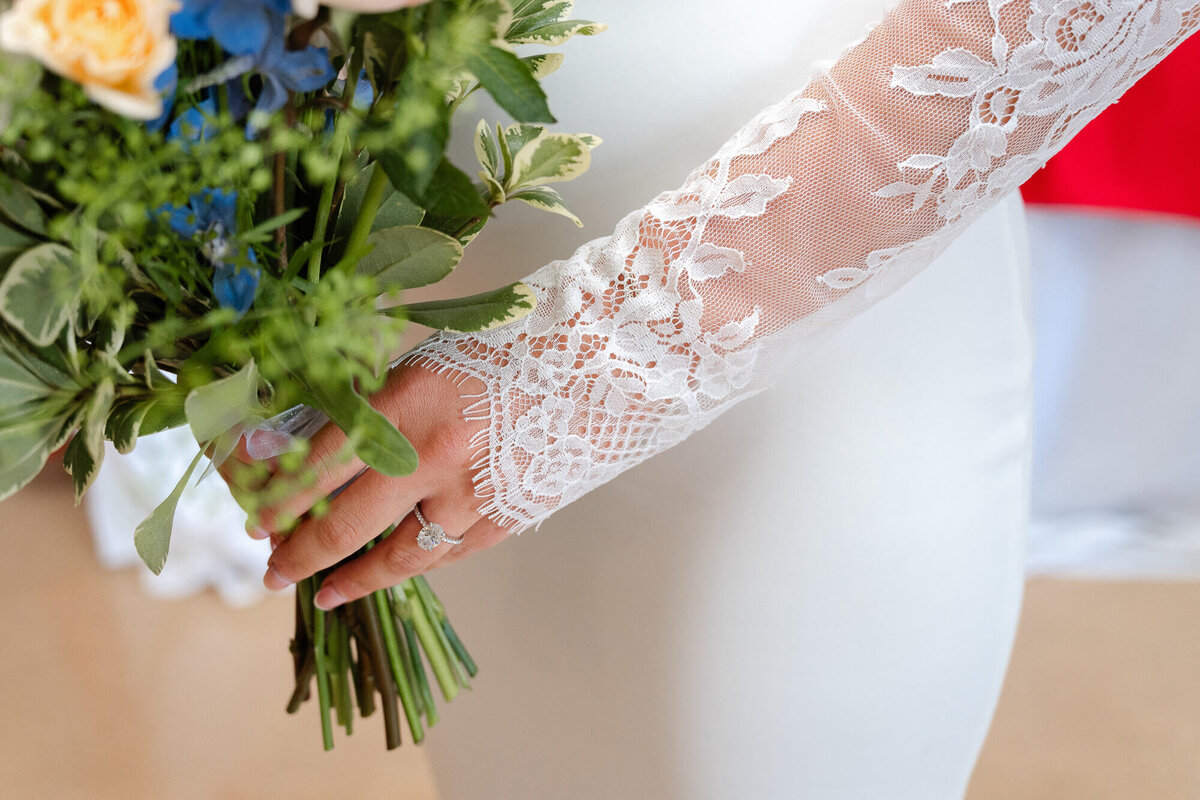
[191, 21]
[244, 29]
[236, 287]
[304, 70]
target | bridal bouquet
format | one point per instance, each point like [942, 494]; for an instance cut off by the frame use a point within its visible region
[208, 212]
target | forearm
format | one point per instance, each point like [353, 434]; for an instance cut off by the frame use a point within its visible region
[820, 206]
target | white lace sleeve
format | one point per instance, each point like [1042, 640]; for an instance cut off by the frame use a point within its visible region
[819, 206]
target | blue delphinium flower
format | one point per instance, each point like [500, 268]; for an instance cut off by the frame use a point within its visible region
[257, 29]
[196, 124]
[241, 27]
[211, 215]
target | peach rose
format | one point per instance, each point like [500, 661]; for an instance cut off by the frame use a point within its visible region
[115, 49]
[308, 8]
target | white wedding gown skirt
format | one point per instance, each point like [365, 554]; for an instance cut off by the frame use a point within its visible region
[815, 597]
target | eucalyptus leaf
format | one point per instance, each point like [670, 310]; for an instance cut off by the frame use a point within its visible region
[547, 199]
[551, 158]
[40, 292]
[510, 82]
[479, 312]
[19, 207]
[153, 536]
[409, 256]
[216, 408]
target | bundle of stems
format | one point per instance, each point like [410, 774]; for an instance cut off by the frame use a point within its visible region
[377, 645]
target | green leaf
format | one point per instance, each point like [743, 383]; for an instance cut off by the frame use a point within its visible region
[409, 256]
[420, 133]
[216, 408]
[479, 312]
[557, 33]
[376, 440]
[453, 193]
[24, 448]
[528, 15]
[17, 384]
[544, 64]
[266, 230]
[519, 135]
[396, 209]
[511, 84]
[153, 536]
[487, 150]
[547, 199]
[551, 158]
[125, 424]
[12, 244]
[19, 207]
[86, 450]
[40, 292]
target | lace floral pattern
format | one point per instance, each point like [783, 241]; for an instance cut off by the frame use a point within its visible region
[802, 219]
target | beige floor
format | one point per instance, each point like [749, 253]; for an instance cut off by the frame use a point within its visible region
[105, 693]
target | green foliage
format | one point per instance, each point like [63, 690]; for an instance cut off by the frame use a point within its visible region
[40, 291]
[153, 537]
[110, 325]
[409, 256]
[479, 312]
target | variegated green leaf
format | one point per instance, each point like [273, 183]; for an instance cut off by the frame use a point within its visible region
[551, 158]
[40, 291]
[547, 199]
[19, 207]
[19, 385]
[487, 149]
[125, 424]
[544, 64]
[479, 312]
[557, 33]
[86, 451]
[12, 244]
[24, 448]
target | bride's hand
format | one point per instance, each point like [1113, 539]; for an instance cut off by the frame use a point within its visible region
[428, 408]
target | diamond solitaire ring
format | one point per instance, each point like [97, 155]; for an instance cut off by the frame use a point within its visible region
[432, 534]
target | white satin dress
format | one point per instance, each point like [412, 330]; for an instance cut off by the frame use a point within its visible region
[816, 596]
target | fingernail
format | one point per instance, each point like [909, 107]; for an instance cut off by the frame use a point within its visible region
[328, 598]
[257, 533]
[274, 581]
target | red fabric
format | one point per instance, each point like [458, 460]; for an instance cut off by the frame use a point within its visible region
[1142, 154]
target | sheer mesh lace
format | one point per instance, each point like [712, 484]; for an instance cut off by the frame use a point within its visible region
[817, 208]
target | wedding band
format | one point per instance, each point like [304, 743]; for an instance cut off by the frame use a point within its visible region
[432, 534]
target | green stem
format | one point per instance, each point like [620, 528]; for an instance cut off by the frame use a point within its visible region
[372, 198]
[437, 656]
[406, 693]
[383, 675]
[436, 615]
[322, 674]
[439, 613]
[418, 667]
[325, 207]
